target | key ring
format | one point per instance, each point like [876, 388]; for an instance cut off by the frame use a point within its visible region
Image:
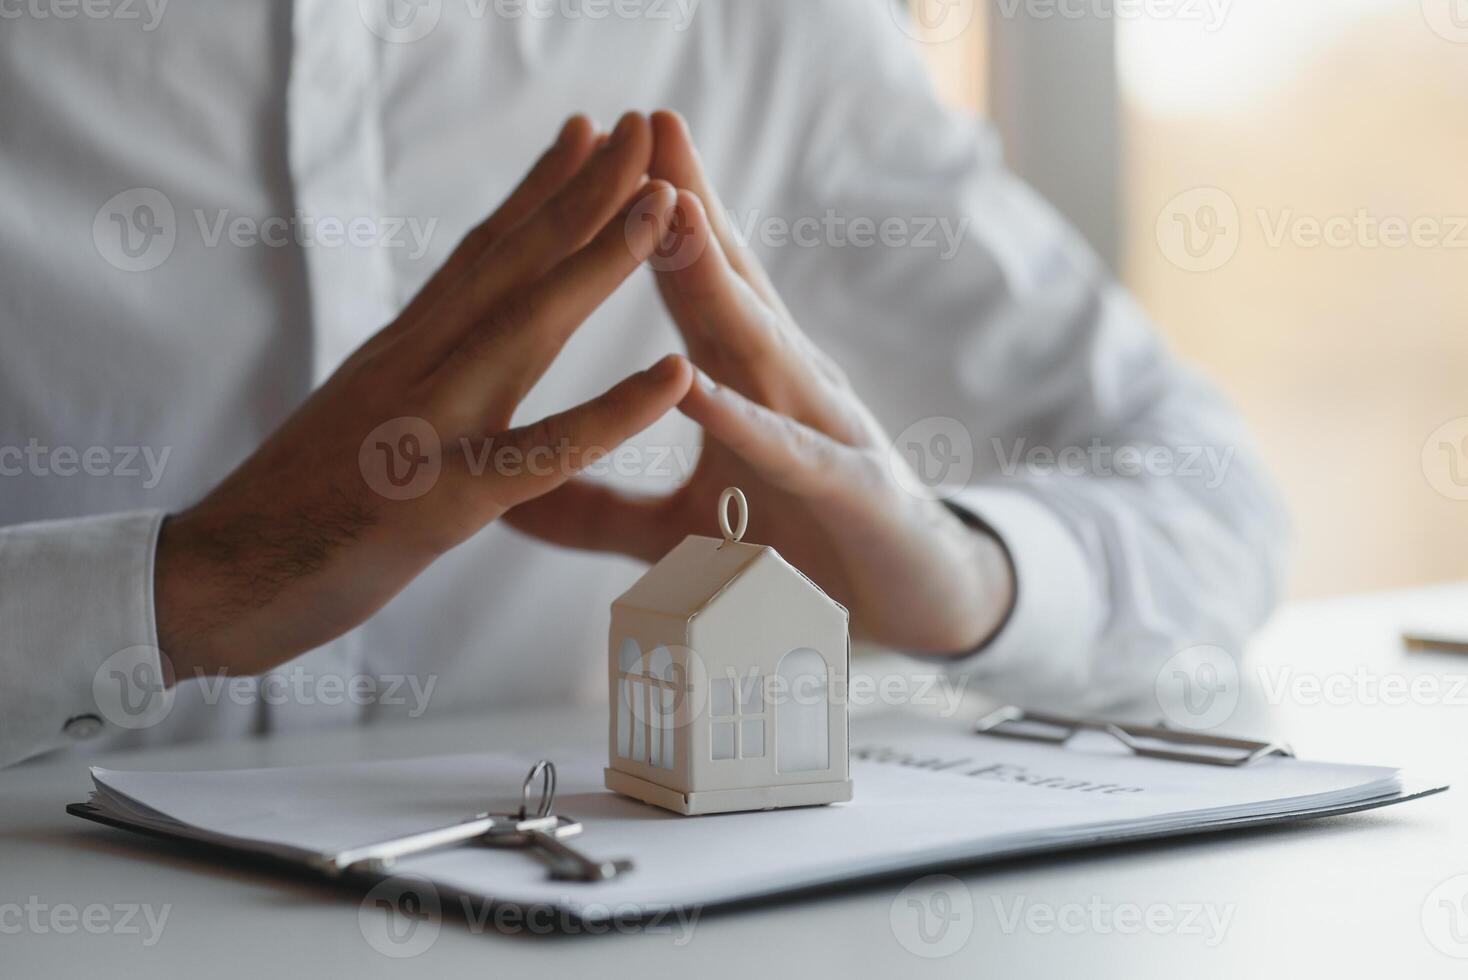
[546, 770]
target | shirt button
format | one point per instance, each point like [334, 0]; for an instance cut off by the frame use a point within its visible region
[82, 727]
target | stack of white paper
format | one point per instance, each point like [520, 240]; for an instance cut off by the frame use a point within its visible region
[925, 797]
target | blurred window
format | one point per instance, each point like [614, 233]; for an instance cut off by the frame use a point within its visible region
[1291, 210]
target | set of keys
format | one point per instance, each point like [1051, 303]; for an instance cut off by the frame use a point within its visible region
[540, 830]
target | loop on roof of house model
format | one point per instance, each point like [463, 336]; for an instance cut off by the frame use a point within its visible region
[736, 495]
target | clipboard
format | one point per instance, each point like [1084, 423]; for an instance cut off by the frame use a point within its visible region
[888, 840]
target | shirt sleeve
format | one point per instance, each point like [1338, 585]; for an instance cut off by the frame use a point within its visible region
[1135, 512]
[76, 605]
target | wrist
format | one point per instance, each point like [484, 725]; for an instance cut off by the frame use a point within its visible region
[995, 590]
[190, 616]
[999, 588]
[171, 596]
[930, 580]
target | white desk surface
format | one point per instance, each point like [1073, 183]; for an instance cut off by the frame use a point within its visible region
[1343, 896]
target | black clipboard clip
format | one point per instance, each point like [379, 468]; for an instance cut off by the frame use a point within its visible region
[1149, 741]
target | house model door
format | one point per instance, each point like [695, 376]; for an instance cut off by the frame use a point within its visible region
[802, 715]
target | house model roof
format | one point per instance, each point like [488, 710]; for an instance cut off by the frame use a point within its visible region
[689, 577]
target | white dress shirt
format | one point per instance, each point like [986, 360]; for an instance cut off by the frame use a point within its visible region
[205, 211]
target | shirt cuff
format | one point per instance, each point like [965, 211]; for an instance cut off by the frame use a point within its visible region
[1042, 649]
[76, 610]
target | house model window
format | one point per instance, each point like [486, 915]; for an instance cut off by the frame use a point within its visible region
[723, 663]
[737, 717]
[649, 689]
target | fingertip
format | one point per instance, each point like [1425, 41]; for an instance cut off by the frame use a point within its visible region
[699, 398]
[577, 130]
[670, 377]
[678, 368]
[659, 198]
[646, 219]
[699, 223]
[647, 396]
[633, 129]
[694, 254]
[672, 145]
[703, 382]
[626, 122]
[670, 122]
[692, 206]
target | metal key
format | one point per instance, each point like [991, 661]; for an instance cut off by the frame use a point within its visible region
[543, 830]
[548, 839]
[381, 855]
[566, 863]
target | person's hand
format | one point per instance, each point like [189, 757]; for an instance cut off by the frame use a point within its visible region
[782, 423]
[408, 449]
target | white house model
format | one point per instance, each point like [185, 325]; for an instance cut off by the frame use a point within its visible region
[726, 669]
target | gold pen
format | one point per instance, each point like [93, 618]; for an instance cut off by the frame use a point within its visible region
[1423, 642]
